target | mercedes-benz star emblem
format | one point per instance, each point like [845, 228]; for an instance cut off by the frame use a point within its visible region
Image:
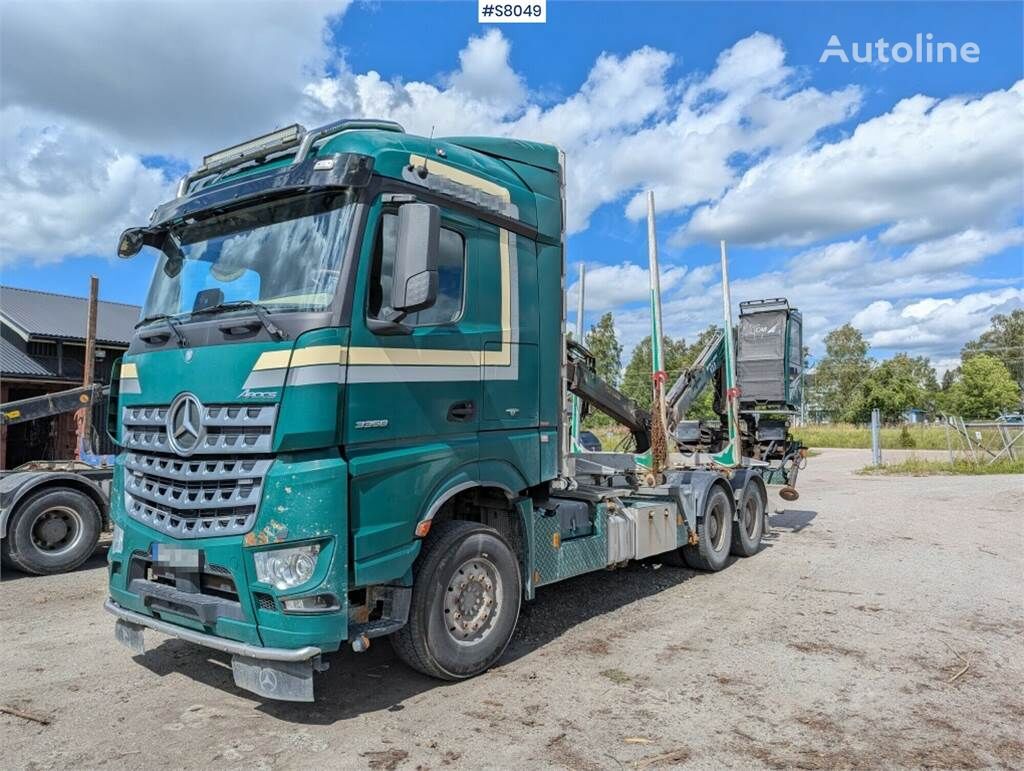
[185, 424]
[268, 680]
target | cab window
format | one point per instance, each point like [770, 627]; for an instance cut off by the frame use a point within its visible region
[451, 270]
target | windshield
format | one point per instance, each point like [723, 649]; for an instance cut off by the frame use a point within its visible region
[284, 255]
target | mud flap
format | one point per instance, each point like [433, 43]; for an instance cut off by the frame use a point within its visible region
[281, 680]
[130, 636]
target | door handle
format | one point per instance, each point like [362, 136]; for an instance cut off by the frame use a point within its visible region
[460, 412]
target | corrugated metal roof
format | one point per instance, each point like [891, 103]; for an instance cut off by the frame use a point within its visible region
[14, 361]
[42, 314]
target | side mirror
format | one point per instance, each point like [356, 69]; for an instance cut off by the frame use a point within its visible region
[131, 242]
[414, 284]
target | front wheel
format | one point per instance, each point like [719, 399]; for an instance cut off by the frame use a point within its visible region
[465, 602]
[54, 531]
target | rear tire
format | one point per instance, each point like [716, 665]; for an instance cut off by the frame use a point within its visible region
[54, 531]
[465, 602]
[714, 534]
[748, 529]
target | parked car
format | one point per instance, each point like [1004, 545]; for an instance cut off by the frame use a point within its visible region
[589, 441]
[1016, 418]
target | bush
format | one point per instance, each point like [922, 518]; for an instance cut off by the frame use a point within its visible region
[906, 440]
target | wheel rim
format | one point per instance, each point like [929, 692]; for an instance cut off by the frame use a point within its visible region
[716, 525]
[472, 601]
[57, 530]
[750, 513]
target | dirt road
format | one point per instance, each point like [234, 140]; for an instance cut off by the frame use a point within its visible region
[881, 625]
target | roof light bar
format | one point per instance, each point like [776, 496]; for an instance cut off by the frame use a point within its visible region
[262, 145]
[276, 141]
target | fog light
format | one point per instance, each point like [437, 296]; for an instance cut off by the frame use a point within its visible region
[286, 568]
[313, 604]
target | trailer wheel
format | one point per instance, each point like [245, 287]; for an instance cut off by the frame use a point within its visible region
[748, 529]
[714, 534]
[53, 531]
[465, 602]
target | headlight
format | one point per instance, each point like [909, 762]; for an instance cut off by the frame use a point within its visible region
[117, 543]
[286, 568]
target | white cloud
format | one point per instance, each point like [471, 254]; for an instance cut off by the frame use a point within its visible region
[65, 190]
[176, 77]
[834, 257]
[925, 169]
[612, 286]
[484, 72]
[954, 252]
[629, 127]
[933, 323]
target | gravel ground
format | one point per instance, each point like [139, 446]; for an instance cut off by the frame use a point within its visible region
[880, 626]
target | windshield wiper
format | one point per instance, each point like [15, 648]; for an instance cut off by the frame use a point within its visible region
[171, 323]
[261, 311]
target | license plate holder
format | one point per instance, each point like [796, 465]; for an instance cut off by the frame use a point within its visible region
[174, 556]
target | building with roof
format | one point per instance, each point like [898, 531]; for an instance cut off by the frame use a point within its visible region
[42, 350]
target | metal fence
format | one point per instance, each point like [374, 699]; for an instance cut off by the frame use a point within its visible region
[984, 442]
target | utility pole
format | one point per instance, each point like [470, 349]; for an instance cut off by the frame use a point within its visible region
[85, 424]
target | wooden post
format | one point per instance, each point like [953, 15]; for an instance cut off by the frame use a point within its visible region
[85, 424]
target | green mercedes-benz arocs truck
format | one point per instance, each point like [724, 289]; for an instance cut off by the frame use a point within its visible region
[343, 414]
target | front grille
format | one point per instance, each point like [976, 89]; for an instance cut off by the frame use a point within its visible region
[230, 429]
[265, 601]
[216, 490]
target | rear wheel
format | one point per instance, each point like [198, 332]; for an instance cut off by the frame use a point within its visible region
[714, 533]
[465, 602]
[54, 531]
[748, 529]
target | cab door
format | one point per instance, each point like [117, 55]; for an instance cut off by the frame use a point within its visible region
[413, 400]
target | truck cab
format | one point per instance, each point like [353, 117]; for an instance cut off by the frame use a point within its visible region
[351, 347]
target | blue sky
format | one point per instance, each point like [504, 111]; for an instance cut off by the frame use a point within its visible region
[722, 108]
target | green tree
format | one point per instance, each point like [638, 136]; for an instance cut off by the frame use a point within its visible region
[703, 405]
[636, 382]
[950, 377]
[1005, 341]
[893, 387]
[835, 383]
[602, 342]
[985, 388]
[604, 345]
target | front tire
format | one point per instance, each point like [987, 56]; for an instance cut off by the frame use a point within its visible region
[54, 531]
[465, 602]
[714, 534]
[748, 529]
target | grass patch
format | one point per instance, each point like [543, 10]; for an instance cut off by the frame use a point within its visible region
[611, 436]
[617, 676]
[849, 436]
[922, 467]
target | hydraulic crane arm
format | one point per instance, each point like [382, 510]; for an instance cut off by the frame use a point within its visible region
[693, 381]
[49, 404]
[583, 381]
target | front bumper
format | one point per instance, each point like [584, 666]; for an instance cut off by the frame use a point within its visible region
[285, 674]
[211, 641]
